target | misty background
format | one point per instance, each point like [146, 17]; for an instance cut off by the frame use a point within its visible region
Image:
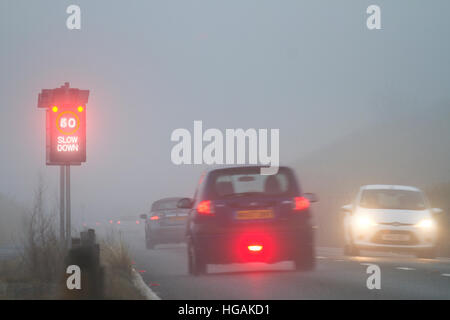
[353, 106]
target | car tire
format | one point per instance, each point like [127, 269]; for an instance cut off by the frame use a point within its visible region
[149, 244]
[196, 263]
[306, 261]
[347, 250]
[351, 250]
[427, 254]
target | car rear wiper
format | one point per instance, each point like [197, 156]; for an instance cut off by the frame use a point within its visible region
[242, 194]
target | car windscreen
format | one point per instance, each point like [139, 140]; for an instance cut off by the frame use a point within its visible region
[392, 199]
[241, 184]
[166, 204]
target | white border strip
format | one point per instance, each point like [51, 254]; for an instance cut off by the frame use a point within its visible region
[143, 288]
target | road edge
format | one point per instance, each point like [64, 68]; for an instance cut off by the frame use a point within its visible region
[145, 291]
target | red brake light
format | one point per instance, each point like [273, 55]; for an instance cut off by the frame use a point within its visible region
[118, 222]
[204, 207]
[154, 218]
[301, 203]
[137, 222]
[255, 247]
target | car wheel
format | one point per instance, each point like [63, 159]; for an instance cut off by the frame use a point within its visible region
[196, 264]
[427, 254]
[351, 250]
[347, 250]
[306, 260]
[150, 244]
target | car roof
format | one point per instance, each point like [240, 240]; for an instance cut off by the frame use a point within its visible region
[166, 200]
[232, 168]
[389, 187]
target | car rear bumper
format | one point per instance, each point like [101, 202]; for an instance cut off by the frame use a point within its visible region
[167, 234]
[373, 246]
[233, 247]
[416, 239]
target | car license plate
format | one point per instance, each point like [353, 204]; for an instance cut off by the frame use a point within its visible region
[395, 237]
[254, 214]
[179, 218]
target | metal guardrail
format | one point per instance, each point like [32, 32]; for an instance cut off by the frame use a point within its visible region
[85, 253]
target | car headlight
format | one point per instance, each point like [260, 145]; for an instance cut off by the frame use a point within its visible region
[425, 224]
[363, 222]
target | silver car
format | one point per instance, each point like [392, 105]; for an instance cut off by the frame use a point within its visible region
[390, 217]
[166, 223]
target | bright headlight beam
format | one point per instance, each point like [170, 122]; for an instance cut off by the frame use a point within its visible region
[426, 223]
[363, 222]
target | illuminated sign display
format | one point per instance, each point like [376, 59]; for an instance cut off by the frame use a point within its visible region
[66, 135]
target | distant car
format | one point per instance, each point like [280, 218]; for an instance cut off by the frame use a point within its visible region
[130, 224]
[239, 215]
[99, 225]
[93, 224]
[166, 223]
[390, 217]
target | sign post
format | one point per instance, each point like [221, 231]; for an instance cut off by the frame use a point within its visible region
[62, 190]
[65, 140]
[68, 227]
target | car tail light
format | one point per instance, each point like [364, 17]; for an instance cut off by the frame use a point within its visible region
[255, 247]
[205, 208]
[301, 203]
[118, 222]
[110, 221]
[137, 222]
[154, 218]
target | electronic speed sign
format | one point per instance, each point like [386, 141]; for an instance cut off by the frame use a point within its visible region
[66, 134]
[66, 125]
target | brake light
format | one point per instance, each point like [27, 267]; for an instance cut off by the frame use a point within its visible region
[154, 218]
[118, 222]
[137, 222]
[205, 207]
[301, 203]
[255, 247]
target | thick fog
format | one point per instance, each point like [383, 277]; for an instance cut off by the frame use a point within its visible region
[312, 70]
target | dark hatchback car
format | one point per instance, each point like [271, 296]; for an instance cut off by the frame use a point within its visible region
[238, 215]
[166, 223]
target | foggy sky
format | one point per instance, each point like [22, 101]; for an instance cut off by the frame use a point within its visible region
[309, 68]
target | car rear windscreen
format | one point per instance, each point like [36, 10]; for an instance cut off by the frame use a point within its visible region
[392, 199]
[235, 184]
[166, 204]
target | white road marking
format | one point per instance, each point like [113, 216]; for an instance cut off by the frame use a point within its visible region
[445, 274]
[139, 283]
[404, 268]
[338, 260]
[320, 257]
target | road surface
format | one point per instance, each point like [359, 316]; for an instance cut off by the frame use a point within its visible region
[164, 270]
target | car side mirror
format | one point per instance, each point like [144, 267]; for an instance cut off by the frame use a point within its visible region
[437, 211]
[312, 197]
[347, 209]
[185, 203]
[143, 216]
